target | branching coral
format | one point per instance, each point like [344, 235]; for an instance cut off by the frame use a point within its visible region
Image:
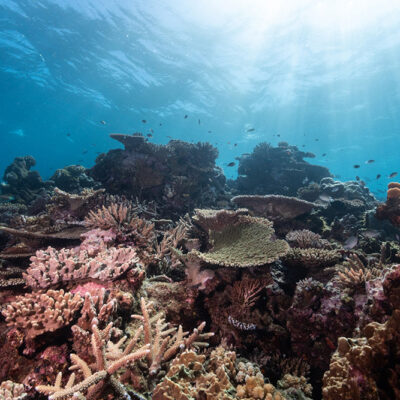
[10, 390]
[305, 239]
[312, 258]
[246, 243]
[165, 343]
[52, 267]
[109, 359]
[37, 313]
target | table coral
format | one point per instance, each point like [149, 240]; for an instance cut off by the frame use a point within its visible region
[246, 243]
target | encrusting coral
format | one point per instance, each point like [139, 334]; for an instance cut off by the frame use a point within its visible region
[37, 313]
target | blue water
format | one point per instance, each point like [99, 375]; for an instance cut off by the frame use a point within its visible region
[320, 70]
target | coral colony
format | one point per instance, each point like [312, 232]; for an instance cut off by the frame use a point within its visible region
[150, 276]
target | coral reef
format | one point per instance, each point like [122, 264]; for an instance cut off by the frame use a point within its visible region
[391, 209]
[178, 176]
[277, 170]
[73, 179]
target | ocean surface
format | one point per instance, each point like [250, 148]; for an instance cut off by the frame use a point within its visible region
[324, 76]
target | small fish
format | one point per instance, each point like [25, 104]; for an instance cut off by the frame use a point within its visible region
[325, 198]
[371, 233]
[144, 121]
[149, 135]
[68, 135]
[209, 131]
[7, 197]
[323, 155]
[84, 152]
[185, 116]
[357, 178]
[369, 161]
[303, 145]
[160, 124]
[103, 122]
[250, 130]
[278, 135]
[185, 194]
[199, 122]
[231, 164]
[356, 166]
[235, 144]
[378, 176]
[393, 174]
[316, 140]
[169, 137]
[350, 243]
[397, 237]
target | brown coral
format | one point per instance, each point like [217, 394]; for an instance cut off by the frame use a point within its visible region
[312, 258]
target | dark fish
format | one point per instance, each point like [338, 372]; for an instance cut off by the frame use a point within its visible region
[357, 178]
[209, 131]
[185, 116]
[160, 124]
[103, 122]
[250, 130]
[169, 137]
[149, 135]
[235, 144]
[369, 161]
[393, 174]
[350, 243]
[231, 164]
[144, 121]
[6, 197]
[378, 176]
[278, 135]
[323, 155]
[356, 166]
[68, 134]
[199, 122]
[303, 145]
[316, 140]
[84, 152]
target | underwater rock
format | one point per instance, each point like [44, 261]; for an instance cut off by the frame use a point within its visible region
[277, 170]
[391, 209]
[275, 207]
[22, 184]
[178, 176]
[73, 179]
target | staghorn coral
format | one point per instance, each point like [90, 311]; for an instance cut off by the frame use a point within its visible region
[10, 390]
[312, 258]
[305, 239]
[37, 313]
[163, 346]
[366, 368]
[109, 359]
[275, 207]
[51, 267]
[246, 243]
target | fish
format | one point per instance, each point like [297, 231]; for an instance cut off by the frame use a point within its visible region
[231, 164]
[235, 144]
[356, 166]
[199, 122]
[185, 116]
[149, 135]
[357, 178]
[371, 233]
[84, 152]
[393, 174]
[369, 161]
[316, 140]
[160, 124]
[378, 176]
[169, 137]
[278, 135]
[209, 131]
[68, 134]
[350, 243]
[6, 197]
[323, 155]
[303, 145]
[144, 121]
[250, 130]
[325, 198]
[103, 122]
